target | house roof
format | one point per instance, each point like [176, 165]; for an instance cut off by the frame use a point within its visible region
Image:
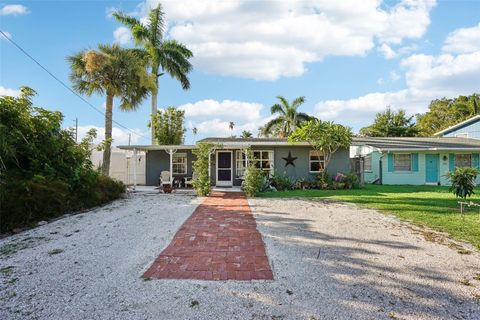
[417, 143]
[458, 125]
[157, 147]
[382, 144]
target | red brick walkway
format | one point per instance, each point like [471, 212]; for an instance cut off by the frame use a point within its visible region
[219, 241]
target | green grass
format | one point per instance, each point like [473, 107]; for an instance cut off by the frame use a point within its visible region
[430, 206]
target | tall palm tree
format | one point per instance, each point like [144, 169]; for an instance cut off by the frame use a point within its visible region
[166, 56]
[288, 118]
[231, 125]
[113, 72]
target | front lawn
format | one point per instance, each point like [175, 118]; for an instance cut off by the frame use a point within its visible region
[431, 206]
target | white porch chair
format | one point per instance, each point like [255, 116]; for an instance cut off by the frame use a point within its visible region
[165, 178]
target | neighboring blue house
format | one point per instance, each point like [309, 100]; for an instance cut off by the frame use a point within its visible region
[469, 128]
[414, 161]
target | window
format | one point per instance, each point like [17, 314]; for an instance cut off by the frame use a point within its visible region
[367, 163]
[262, 160]
[316, 161]
[179, 163]
[463, 160]
[402, 162]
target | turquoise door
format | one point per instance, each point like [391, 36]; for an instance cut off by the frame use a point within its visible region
[431, 170]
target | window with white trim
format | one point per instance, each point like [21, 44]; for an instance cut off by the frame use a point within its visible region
[263, 159]
[463, 160]
[316, 161]
[367, 163]
[402, 162]
[179, 163]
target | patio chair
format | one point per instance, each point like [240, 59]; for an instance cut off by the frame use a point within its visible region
[165, 178]
[189, 180]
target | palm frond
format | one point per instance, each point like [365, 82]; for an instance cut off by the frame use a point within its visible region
[277, 108]
[297, 102]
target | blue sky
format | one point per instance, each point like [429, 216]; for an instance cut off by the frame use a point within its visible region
[349, 58]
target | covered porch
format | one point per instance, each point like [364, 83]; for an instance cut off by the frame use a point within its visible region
[175, 162]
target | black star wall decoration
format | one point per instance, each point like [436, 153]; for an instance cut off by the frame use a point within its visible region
[289, 159]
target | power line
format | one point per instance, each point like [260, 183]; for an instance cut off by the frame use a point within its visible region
[67, 87]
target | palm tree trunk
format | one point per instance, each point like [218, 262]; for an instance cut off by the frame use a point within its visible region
[154, 100]
[108, 135]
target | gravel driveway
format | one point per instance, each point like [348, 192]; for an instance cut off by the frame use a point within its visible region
[330, 261]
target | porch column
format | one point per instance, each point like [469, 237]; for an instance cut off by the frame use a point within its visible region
[246, 158]
[134, 168]
[170, 152]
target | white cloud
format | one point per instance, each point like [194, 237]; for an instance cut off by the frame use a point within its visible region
[387, 51]
[265, 40]
[464, 40]
[427, 77]
[13, 9]
[9, 92]
[122, 35]
[119, 135]
[7, 35]
[212, 117]
[227, 110]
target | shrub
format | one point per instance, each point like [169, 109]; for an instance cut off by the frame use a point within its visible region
[202, 183]
[281, 183]
[255, 180]
[351, 180]
[324, 180]
[43, 171]
[463, 181]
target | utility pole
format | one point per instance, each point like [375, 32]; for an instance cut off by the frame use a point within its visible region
[76, 129]
[129, 137]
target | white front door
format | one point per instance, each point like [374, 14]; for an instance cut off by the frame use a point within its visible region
[224, 168]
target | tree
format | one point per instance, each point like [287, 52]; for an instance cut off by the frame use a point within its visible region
[325, 137]
[231, 125]
[114, 72]
[168, 124]
[167, 56]
[287, 120]
[246, 134]
[443, 113]
[391, 124]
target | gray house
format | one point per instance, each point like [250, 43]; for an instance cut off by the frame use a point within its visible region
[229, 159]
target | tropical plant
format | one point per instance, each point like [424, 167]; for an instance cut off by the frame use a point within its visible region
[324, 136]
[231, 125]
[391, 124]
[281, 182]
[246, 134]
[202, 182]
[168, 124]
[288, 118]
[114, 72]
[43, 171]
[463, 181]
[165, 55]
